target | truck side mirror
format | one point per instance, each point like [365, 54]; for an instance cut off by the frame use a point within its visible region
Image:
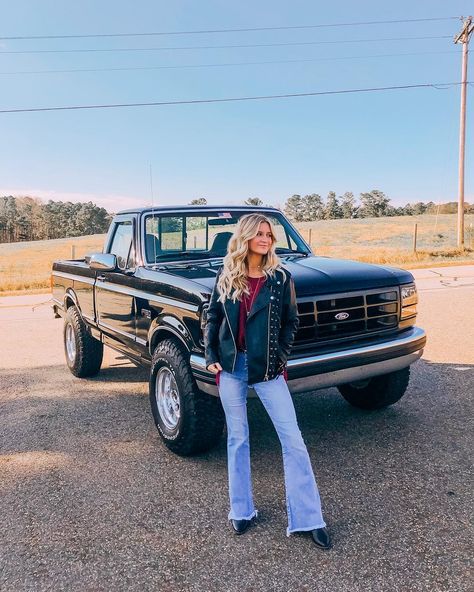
[103, 261]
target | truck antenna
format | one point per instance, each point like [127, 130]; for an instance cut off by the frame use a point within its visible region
[152, 215]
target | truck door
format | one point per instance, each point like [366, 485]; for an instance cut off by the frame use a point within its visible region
[114, 294]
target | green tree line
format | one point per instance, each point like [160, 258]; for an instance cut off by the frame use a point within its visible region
[27, 219]
[372, 204]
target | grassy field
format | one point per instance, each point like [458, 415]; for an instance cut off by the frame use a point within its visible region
[390, 240]
[25, 267]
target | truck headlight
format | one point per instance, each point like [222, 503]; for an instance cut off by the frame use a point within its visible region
[409, 301]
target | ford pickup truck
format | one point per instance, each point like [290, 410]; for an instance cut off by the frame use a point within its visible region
[147, 293]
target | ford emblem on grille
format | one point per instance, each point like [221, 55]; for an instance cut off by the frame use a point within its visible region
[341, 316]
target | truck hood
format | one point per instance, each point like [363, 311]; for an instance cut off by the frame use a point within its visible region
[312, 275]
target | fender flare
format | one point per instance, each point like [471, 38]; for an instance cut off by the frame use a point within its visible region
[165, 329]
[71, 295]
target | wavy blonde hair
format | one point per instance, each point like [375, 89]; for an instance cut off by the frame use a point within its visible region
[234, 272]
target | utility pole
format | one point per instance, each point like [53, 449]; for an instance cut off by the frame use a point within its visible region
[463, 37]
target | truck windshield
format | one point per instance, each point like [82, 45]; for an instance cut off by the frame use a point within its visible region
[203, 235]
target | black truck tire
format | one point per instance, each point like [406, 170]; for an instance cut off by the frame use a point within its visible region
[188, 420]
[377, 392]
[83, 352]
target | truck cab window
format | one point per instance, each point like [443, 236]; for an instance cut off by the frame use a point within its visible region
[122, 243]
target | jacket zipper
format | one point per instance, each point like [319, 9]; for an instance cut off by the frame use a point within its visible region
[268, 341]
[230, 329]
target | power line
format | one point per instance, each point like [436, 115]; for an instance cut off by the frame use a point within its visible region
[227, 64]
[239, 30]
[230, 99]
[292, 43]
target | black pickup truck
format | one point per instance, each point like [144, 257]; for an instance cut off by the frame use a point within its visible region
[147, 293]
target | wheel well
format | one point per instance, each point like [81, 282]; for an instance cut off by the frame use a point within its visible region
[163, 334]
[68, 302]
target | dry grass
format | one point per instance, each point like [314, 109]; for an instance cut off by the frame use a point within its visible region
[402, 258]
[26, 267]
[390, 240]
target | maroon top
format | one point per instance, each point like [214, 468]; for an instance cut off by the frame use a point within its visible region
[254, 287]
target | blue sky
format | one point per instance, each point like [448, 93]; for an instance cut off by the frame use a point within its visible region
[404, 142]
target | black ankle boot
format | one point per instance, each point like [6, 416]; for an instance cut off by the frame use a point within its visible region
[321, 538]
[240, 526]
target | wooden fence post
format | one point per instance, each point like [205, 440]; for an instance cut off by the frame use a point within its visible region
[73, 251]
[415, 230]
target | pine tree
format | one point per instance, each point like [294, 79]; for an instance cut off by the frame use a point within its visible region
[348, 205]
[294, 208]
[253, 201]
[10, 214]
[419, 208]
[332, 209]
[313, 207]
[374, 204]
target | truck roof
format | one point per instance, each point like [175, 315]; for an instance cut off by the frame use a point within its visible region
[196, 208]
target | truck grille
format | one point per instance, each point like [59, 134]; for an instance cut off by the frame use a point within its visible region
[343, 315]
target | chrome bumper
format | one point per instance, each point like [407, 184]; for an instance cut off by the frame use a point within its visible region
[330, 369]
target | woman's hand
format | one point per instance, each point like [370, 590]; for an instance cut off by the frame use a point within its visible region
[215, 368]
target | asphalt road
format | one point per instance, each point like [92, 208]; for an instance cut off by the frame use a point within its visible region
[92, 501]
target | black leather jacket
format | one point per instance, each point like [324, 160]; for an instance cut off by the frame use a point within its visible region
[270, 330]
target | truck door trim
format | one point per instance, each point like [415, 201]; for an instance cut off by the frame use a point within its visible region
[148, 296]
[71, 276]
[115, 330]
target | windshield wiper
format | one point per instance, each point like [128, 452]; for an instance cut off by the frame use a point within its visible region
[290, 251]
[182, 255]
[163, 257]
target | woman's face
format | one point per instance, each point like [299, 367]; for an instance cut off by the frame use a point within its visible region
[261, 243]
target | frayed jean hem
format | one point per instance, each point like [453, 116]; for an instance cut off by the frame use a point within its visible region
[288, 531]
[254, 513]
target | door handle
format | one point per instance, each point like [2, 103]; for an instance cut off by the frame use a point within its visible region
[101, 278]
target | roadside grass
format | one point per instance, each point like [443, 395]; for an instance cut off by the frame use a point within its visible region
[25, 267]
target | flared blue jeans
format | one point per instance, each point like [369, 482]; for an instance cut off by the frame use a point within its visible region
[302, 496]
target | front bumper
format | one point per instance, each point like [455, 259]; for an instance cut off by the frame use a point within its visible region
[324, 370]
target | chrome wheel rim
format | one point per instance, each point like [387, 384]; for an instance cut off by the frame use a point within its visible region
[167, 398]
[70, 343]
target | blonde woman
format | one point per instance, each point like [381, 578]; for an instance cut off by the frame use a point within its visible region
[251, 324]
